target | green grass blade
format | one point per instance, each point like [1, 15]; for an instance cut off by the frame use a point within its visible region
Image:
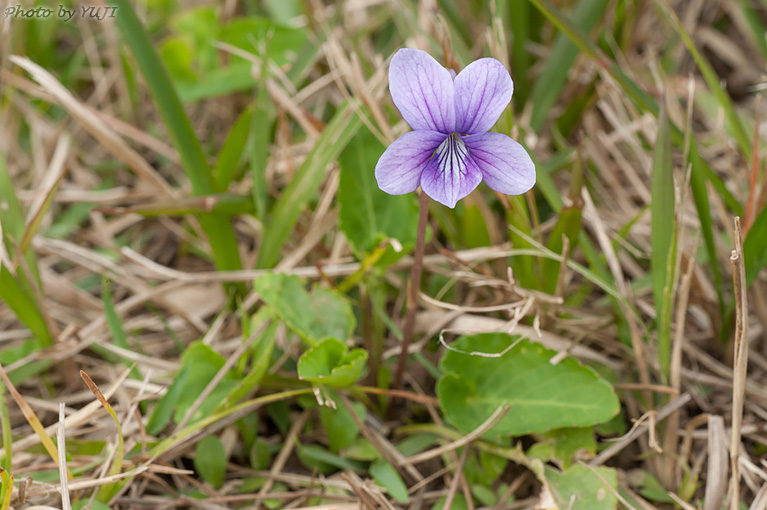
[231, 152]
[306, 182]
[712, 80]
[6, 489]
[13, 220]
[5, 429]
[755, 247]
[517, 15]
[557, 68]
[24, 306]
[115, 325]
[701, 172]
[662, 209]
[755, 24]
[217, 227]
[261, 128]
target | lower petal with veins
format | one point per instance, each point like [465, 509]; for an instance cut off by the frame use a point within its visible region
[451, 173]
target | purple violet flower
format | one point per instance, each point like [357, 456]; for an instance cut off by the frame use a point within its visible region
[451, 151]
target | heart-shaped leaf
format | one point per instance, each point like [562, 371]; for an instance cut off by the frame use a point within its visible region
[330, 364]
[543, 396]
[321, 314]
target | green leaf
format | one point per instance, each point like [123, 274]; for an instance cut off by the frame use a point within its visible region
[755, 248]
[340, 426]
[417, 443]
[361, 449]
[260, 455]
[564, 445]
[650, 488]
[94, 505]
[581, 488]
[330, 364]
[262, 359]
[367, 214]
[178, 53]
[199, 364]
[210, 460]
[314, 456]
[321, 314]
[387, 477]
[459, 503]
[542, 396]
[218, 82]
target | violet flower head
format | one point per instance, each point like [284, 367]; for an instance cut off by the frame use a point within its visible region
[451, 152]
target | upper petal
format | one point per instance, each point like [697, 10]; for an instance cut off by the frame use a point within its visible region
[482, 91]
[422, 90]
[399, 168]
[451, 174]
[505, 165]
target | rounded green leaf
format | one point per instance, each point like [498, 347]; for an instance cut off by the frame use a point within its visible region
[330, 364]
[210, 460]
[387, 477]
[542, 396]
[321, 314]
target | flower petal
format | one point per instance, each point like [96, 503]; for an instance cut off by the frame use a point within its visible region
[452, 173]
[482, 91]
[505, 165]
[399, 168]
[422, 90]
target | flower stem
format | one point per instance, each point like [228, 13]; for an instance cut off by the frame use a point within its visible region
[413, 288]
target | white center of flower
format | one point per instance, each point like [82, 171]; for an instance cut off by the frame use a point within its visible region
[451, 156]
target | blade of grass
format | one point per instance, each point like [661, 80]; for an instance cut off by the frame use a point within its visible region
[755, 248]
[6, 483]
[701, 172]
[517, 15]
[568, 225]
[561, 59]
[218, 228]
[231, 152]
[306, 182]
[5, 429]
[24, 306]
[712, 80]
[261, 132]
[662, 232]
[115, 326]
[48, 187]
[208, 424]
[13, 219]
[755, 25]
